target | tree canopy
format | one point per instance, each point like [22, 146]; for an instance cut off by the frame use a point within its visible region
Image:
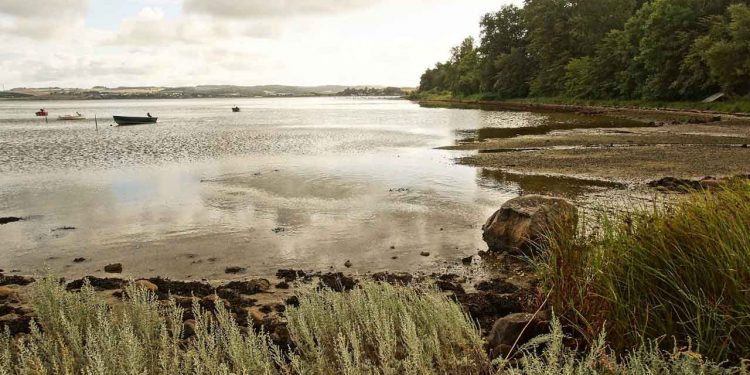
[603, 49]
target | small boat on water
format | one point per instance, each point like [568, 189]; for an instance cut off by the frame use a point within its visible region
[235, 109]
[42, 113]
[75, 117]
[128, 120]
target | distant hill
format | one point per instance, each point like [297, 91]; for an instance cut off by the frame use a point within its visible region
[202, 91]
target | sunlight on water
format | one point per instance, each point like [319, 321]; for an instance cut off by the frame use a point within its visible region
[306, 183]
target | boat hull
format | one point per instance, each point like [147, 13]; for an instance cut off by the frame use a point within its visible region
[70, 118]
[125, 120]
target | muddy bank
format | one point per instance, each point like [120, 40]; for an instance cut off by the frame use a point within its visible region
[261, 302]
[620, 145]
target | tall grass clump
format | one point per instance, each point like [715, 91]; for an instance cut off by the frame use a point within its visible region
[374, 329]
[680, 271]
[384, 329]
[547, 355]
[78, 333]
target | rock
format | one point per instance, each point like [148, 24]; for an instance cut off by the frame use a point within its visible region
[235, 270]
[520, 327]
[6, 293]
[98, 283]
[674, 184]
[487, 306]
[182, 288]
[425, 253]
[15, 324]
[228, 294]
[337, 281]
[292, 301]
[348, 264]
[16, 280]
[113, 268]
[496, 285]
[521, 225]
[145, 284]
[250, 286]
[282, 285]
[394, 278]
[266, 309]
[450, 286]
[79, 260]
[468, 260]
[280, 336]
[290, 275]
[211, 301]
[9, 219]
[188, 328]
[256, 316]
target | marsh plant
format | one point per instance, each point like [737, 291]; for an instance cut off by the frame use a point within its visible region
[374, 329]
[680, 272]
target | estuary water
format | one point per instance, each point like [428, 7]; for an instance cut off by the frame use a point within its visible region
[303, 183]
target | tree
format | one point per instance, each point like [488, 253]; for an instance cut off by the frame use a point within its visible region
[503, 42]
[727, 50]
[463, 72]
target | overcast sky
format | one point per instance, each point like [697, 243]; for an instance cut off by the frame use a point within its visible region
[83, 43]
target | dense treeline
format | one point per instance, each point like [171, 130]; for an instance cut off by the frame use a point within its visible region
[603, 49]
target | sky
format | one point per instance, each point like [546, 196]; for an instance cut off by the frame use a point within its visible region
[85, 43]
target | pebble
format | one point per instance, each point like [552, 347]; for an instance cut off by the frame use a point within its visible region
[113, 268]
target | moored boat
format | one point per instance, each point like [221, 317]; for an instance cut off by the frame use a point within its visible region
[235, 109]
[129, 120]
[42, 113]
[77, 116]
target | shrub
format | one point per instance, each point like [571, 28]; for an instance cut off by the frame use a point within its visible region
[383, 329]
[547, 355]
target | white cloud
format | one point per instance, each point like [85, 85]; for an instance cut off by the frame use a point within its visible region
[41, 19]
[168, 42]
[272, 8]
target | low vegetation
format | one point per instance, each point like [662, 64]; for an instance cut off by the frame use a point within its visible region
[374, 329]
[679, 274]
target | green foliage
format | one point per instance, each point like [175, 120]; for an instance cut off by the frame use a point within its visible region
[374, 329]
[604, 49]
[382, 329]
[680, 272]
[727, 50]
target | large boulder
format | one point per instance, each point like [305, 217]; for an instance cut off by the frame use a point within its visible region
[522, 225]
[514, 329]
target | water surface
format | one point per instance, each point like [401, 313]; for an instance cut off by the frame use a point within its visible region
[305, 183]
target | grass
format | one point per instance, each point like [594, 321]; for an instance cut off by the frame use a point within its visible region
[374, 329]
[547, 355]
[730, 106]
[680, 272]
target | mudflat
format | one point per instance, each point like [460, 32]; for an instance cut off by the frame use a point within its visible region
[628, 146]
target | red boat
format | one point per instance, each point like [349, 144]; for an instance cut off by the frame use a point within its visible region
[42, 113]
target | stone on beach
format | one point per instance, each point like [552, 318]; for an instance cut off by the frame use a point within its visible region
[513, 329]
[147, 285]
[113, 268]
[522, 224]
[6, 293]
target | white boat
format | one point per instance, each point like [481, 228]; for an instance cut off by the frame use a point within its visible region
[77, 116]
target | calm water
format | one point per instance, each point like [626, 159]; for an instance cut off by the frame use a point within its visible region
[304, 183]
